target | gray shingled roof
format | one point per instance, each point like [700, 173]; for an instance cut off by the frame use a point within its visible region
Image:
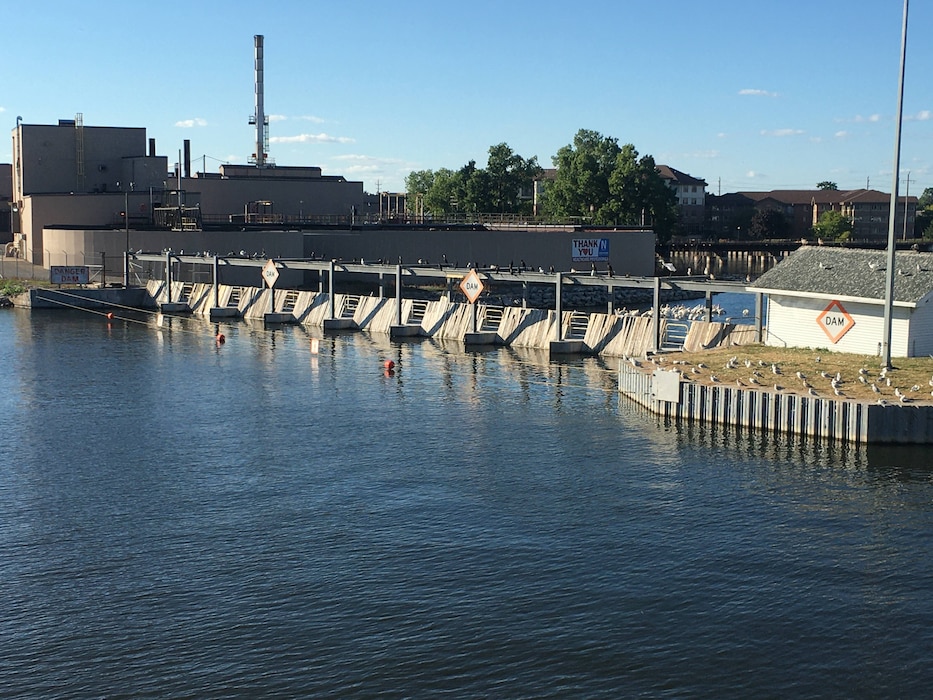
[850, 272]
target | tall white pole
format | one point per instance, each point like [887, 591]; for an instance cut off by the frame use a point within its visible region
[889, 270]
[260, 115]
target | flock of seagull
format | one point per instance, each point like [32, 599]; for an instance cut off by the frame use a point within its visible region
[679, 312]
[768, 375]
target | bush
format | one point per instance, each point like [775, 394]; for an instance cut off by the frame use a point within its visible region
[10, 288]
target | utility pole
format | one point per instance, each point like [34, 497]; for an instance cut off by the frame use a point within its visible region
[906, 197]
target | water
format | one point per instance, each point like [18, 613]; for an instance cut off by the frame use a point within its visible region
[181, 519]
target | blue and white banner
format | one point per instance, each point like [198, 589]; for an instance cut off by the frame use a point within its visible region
[590, 250]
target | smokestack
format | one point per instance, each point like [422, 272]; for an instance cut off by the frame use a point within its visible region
[152, 148]
[187, 157]
[260, 116]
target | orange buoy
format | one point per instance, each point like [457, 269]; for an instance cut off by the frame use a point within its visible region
[110, 315]
[388, 364]
[221, 339]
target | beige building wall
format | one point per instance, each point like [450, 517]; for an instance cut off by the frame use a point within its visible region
[630, 252]
[312, 197]
[46, 157]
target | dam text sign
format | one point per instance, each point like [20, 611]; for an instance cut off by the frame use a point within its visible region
[835, 321]
[69, 274]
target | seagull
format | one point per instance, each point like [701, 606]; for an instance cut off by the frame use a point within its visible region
[775, 369]
[838, 392]
[812, 392]
[863, 380]
[915, 387]
[801, 375]
[778, 387]
[738, 382]
[882, 402]
[862, 371]
[754, 380]
[713, 378]
[898, 393]
[874, 388]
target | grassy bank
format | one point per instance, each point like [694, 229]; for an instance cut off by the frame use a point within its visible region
[776, 369]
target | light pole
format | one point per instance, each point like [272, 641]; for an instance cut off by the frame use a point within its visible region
[126, 229]
[889, 272]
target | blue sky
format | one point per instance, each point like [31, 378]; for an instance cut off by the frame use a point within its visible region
[748, 96]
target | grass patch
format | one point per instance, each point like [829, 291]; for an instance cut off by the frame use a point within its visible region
[910, 376]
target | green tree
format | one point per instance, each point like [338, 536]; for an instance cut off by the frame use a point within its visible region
[640, 197]
[926, 199]
[581, 186]
[442, 197]
[827, 185]
[833, 225]
[768, 223]
[508, 175]
[417, 184]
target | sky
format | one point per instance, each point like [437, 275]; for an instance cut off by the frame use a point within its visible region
[744, 95]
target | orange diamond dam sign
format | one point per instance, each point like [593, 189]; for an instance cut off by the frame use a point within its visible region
[835, 321]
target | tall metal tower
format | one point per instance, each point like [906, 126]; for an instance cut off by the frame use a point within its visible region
[259, 118]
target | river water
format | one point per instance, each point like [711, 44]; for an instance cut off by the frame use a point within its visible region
[191, 520]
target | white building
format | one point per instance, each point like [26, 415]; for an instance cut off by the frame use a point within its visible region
[833, 298]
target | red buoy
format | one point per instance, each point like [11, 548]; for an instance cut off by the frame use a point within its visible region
[221, 339]
[388, 364]
[110, 315]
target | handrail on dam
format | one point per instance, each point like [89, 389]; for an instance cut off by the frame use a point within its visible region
[447, 274]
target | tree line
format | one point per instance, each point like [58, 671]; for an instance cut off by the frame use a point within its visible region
[597, 181]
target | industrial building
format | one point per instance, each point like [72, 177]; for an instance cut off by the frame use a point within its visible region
[69, 175]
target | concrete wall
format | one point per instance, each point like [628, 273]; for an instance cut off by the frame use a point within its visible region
[42, 212]
[630, 252]
[84, 247]
[527, 328]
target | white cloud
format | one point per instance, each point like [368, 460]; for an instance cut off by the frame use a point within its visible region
[371, 168]
[922, 116]
[277, 117]
[312, 118]
[311, 138]
[2, 109]
[189, 123]
[841, 134]
[752, 175]
[781, 132]
[757, 93]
